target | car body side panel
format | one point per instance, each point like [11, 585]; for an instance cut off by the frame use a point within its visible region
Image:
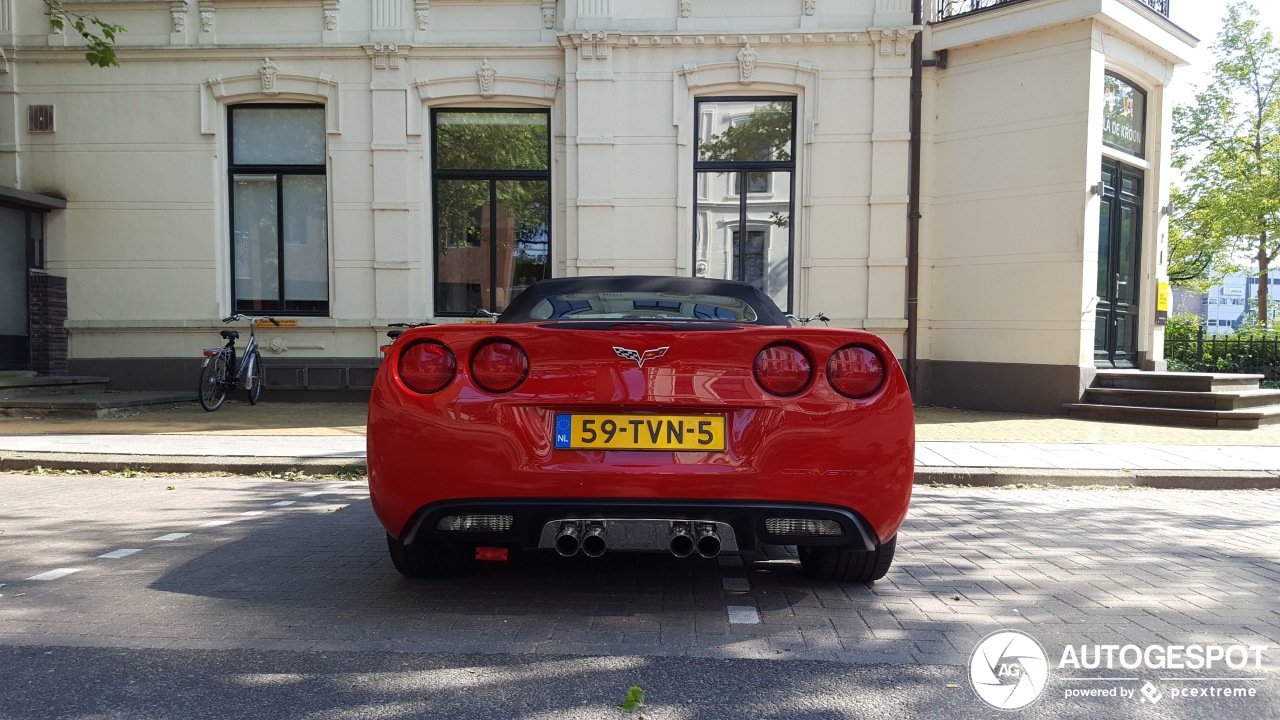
[816, 447]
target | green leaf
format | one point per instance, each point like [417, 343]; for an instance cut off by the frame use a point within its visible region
[634, 701]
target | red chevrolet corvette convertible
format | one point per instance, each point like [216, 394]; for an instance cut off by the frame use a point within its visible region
[602, 414]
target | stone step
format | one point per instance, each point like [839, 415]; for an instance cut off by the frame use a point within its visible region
[1245, 419]
[99, 405]
[1219, 400]
[17, 385]
[1176, 381]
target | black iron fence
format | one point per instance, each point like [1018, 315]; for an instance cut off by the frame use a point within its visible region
[945, 9]
[1255, 353]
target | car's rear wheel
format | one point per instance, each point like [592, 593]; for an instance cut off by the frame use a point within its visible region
[438, 561]
[840, 565]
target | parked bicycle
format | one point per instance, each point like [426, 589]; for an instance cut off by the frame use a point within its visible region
[222, 372]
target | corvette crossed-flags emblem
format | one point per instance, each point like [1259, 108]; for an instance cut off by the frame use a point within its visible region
[640, 357]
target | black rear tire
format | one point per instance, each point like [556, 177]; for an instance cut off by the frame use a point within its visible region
[253, 377]
[213, 385]
[840, 565]
[433, 561]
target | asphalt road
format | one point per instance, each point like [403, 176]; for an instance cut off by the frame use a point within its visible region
[180, 597]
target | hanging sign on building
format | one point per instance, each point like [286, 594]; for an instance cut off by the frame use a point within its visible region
[1124, 115]
[1162, 303]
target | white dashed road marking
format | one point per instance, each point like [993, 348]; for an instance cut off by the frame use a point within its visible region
[743, 615]
[171, 537]
[117, 554]
[313, 494]
[283, 503]
[54, 574]
[251, 513]
[217, 523]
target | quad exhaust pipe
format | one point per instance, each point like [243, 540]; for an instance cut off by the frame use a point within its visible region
[681, 537]
[593, 543]
[707, 541]
[572, 538]
[567, 540]
[680, 542]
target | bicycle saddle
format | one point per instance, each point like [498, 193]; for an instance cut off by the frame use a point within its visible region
[230, 334]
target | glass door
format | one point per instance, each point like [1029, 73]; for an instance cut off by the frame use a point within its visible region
[1115, 342]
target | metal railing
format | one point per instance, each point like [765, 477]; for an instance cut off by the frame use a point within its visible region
[1258, 354]
[947, 9]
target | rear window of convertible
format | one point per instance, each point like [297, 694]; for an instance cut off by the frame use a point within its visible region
[642, 306]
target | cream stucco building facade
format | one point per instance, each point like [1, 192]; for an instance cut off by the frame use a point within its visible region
[942, 175]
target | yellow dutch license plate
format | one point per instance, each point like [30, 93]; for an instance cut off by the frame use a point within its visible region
[639, 432]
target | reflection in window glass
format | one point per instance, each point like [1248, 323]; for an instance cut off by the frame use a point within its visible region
[749, 131]
[492, 193]
[492, 141]
[1124, 115]
[744, 174]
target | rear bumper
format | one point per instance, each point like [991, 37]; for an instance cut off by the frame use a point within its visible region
[529, 516]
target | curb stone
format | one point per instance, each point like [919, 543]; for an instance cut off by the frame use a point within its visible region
[93, 463]
[1159, 479]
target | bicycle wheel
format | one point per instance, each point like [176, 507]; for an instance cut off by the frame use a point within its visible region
[253, 377]
[213, 382]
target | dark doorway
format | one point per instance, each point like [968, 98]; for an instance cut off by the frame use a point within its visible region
[1115, 343]
[15, 348]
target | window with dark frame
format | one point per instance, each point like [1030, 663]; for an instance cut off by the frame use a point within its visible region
[491, 194]
[279, 209]
[1124, 112]
[744, 170]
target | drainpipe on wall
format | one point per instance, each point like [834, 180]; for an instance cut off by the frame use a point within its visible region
[913, 198]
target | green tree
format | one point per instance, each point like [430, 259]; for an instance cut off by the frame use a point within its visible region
[1196, 262]
[1227, 144]
[99, 36]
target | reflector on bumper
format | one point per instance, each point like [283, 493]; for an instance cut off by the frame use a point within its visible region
[474, 523]
[803, 526]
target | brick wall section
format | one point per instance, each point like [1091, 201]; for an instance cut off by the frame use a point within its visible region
[47, 303]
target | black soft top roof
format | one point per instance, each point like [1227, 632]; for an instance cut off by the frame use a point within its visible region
[766, 311]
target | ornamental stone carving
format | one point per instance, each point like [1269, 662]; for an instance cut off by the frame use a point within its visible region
[810, 7]
[746, 62]
[548, 14]
[895, 42]
[268, 71]
[386, 56]
[330, 19]
[179, 20]
[422, 13]
[206, 21]
[485, 74]
[686, 8]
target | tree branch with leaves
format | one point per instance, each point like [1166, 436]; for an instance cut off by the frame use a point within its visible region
[98, 35]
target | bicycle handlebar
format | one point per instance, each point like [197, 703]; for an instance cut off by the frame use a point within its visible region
[251, 319]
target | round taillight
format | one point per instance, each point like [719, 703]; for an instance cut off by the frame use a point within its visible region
[783, 369]
[427, 366]
[499, 366]
[855, 371]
